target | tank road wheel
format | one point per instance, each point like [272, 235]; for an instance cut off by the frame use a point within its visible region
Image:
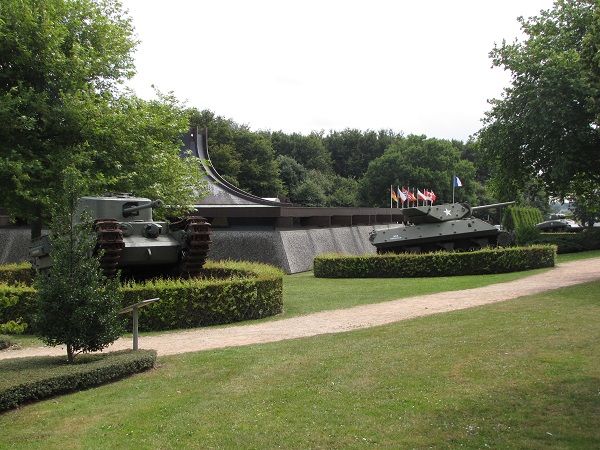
[110, 244]
[198, 245]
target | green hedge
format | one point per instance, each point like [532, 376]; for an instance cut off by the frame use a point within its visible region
[29, 379]
[21, 273]
[583, 241]
[438, 264]
[227, 292]
[16, 303]
[516, 217]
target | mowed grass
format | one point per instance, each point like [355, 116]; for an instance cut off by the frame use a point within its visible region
[520, 374]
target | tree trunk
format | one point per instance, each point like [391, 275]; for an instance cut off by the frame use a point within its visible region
[70, 354]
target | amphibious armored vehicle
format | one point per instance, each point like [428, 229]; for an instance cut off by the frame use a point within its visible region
[133, 242]
[448, 227]
[558, 223]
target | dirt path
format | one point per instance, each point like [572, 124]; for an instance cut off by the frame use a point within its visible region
[339, 321]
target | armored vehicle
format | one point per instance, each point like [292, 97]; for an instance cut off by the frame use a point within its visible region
[132, 241]
[558, 223]
[448, 227]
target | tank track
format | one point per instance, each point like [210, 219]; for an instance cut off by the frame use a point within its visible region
[197, 230]
[110, 243]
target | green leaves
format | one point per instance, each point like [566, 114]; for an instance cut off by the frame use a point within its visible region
[543, 127]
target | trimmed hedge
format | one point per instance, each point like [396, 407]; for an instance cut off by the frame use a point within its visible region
[16, 303]
[21, 273]
[584, 241]
[30, 379]
[516, 217]
[228, 291]
[440, 264]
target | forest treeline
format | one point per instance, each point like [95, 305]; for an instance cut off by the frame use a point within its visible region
[347, 168]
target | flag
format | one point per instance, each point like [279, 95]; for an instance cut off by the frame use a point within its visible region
[421, 196]
[432, 196]
[457, 182]
[402, 195]
[394, 197]
[411, 196]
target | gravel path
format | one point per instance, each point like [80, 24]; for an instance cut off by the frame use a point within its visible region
[339, 321]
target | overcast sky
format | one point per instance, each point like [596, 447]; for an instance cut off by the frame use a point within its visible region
[418, 67]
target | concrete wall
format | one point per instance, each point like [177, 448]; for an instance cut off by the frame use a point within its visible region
[14, 244]
[291, 250]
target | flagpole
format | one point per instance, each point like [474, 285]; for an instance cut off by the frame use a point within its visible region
[453, 183]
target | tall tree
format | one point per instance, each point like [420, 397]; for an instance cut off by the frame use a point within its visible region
[76, 306]
[543, 126]
[352, 150]
[61, 64]
[56, 56]
[418, 162]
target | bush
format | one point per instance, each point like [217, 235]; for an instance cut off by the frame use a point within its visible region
[16, 303]
[517, 217]
[584, 241]
[30, 379]
[5, 342]
[227, 292]
[438, 264]
[21, 273]
[527, 235]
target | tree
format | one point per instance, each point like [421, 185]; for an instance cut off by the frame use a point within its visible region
[544, 126]
[307, 150]
[61, 64]
[76, 305]
[352, 150]
[56, 57]
[243, 158]
[418, 162]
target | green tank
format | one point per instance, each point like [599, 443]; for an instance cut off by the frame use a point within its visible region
[557, 223]
[135, 243]
[445, 227]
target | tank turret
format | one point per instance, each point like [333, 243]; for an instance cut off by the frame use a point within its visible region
[447, 227]
[131, 241]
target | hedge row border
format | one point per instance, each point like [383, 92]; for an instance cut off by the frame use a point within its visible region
[74, 377]
[439, 264]
[228, 291]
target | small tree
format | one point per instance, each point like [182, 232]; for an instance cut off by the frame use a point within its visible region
[77, 305]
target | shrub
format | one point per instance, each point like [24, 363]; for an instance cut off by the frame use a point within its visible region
[438, 264]
[516, 217]
[5, 341]
[38, 378]
[13, 326]
[227, 292]
[16, 303]
[16, 273]
[527, 235]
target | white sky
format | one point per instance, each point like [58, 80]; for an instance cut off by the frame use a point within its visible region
[418, 67]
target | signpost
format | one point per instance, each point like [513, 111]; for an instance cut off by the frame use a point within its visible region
[135, 309]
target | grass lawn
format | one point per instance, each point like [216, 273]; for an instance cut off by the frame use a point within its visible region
[519, 374]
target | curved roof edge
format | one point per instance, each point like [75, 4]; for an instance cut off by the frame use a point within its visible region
[221, 191]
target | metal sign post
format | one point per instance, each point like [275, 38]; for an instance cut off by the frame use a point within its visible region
[135, 309]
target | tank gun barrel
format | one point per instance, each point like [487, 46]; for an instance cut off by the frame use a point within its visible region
[493, 205]
[132, 209]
